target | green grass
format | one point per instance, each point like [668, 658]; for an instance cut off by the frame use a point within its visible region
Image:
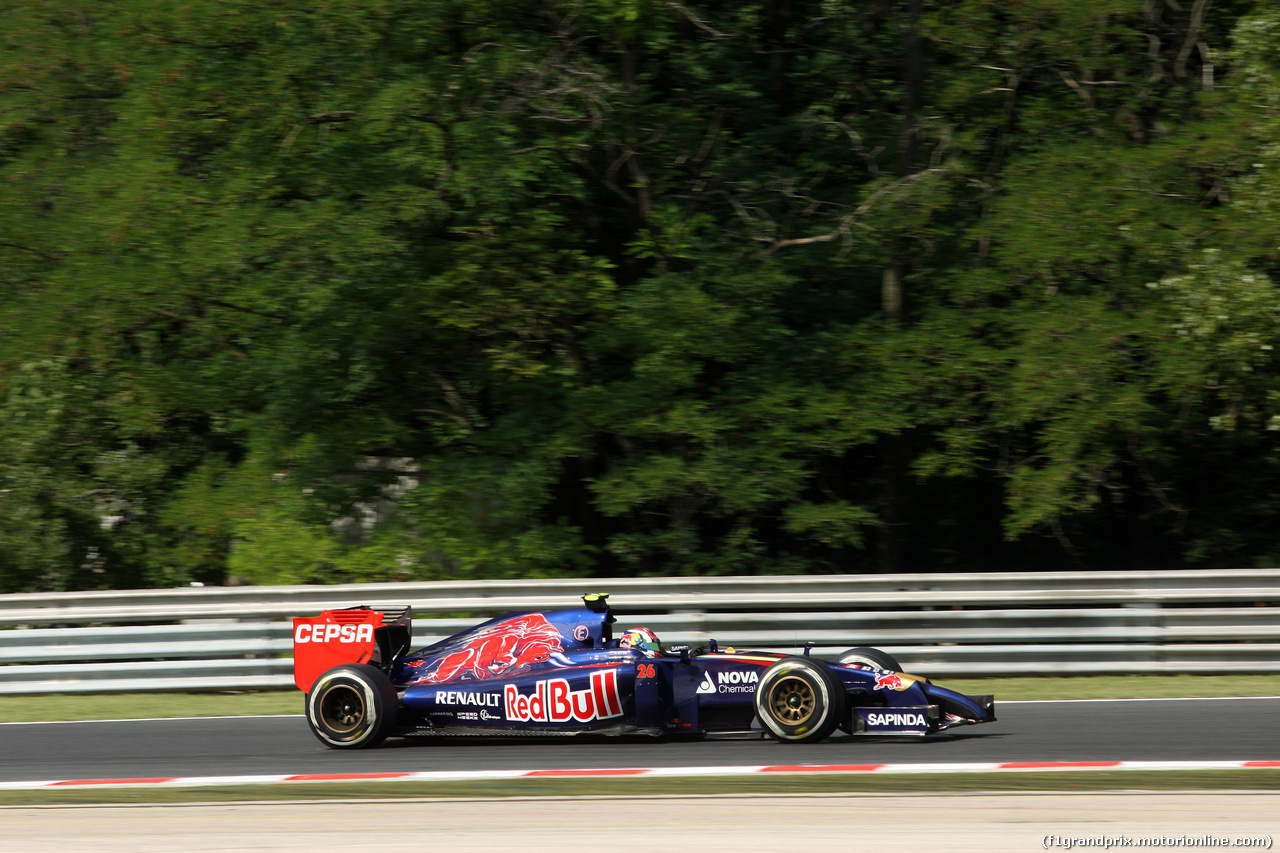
[1119, 686]
[630, 786]
[127, 706]
[24, 709]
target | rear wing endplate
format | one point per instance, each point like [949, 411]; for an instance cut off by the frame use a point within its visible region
[375, 635]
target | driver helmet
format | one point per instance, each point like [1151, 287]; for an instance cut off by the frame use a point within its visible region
[640, 639]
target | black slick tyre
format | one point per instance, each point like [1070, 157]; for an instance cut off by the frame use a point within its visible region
[870, 657]
[352, 706]
[799, 700]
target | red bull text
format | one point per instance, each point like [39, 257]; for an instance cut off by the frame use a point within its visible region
[553, 702]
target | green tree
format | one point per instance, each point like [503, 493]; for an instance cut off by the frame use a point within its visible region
[650, 287]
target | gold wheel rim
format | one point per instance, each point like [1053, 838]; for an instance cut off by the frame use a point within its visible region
[791, 700]
[341, 708]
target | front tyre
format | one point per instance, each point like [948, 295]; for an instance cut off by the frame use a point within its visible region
[871, 657]
[352, 706]
[799, 700]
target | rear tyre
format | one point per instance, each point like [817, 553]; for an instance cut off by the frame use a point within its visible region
[352, 706]
[799, 700]
[871, 657]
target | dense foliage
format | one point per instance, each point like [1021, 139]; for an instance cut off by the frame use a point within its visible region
[379, 289]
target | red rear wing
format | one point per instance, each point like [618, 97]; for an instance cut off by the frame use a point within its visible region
[333, 638]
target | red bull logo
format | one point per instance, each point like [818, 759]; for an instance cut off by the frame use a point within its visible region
[553, 702]
[500, 649]
[891, 681]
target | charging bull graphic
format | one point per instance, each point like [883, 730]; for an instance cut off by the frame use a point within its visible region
[503, 648]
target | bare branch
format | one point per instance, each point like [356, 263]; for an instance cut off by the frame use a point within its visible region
[332, 118]
[846, 223]
[1160, 492]
[459, 412]
[32, 250]
[1206, 68]
[1078, 89]
[804, 241]
[1193, 36]
[247, 44]
[708, 141]
[470, 55]
[271, 315]
[696, 21]
[1153, 54]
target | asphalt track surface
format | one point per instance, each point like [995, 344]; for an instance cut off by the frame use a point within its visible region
[1134, 730]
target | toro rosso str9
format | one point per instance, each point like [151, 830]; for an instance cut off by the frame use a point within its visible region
[559, 672]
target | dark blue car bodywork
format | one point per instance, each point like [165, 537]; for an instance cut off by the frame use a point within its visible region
[563, 672]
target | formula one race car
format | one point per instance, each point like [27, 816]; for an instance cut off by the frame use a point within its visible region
[562, 672]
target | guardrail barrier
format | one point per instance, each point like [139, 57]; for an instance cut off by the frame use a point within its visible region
[965, 624]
